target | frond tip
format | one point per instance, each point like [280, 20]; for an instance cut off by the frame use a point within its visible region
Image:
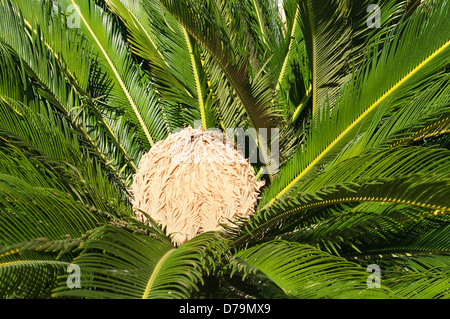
[194, 181]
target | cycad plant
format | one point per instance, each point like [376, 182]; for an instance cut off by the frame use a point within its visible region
[357, 91]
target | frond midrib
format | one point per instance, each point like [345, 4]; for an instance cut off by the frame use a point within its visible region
[155, 273]
[117, 75]
[198, 86]
[286, 58]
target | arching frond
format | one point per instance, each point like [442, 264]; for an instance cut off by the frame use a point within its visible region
[302, 271]
[298, 212]
[44, 152]
[69, 80]
[256, 101]
[371, 95]
[117, 263]
[418, 277]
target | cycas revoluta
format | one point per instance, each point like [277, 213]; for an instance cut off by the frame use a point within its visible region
[93, 93]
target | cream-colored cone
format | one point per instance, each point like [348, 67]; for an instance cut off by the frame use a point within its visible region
[192, 181]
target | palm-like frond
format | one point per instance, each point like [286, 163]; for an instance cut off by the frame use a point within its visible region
[419, 277]
[98, 27]
[373, 96]
[67, 90]
[43, 227]
[335, 34]
[52, 156]
[173, 80]
[117, 263]
[298, 212]
[32, 212]
[327, 38]
[363, 119]
[302, 271]
[367, 168]
[32, 278]
[198, 22]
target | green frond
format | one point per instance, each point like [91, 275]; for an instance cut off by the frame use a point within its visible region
[30, 269]
[386, 163]
[30, 212]
[336, 33]
[371, 96]
[418, 277]
[152, 29]
[327, 41]
[300, 211]
[368, 230]
[392, 168]
[424, 233]
[302, 271]
[424, 113]
[40, 228]
[97, 26]
[29, 278]
[117, 263]
[65, 83]
[44, 152]
[200, 25]
[230, 112]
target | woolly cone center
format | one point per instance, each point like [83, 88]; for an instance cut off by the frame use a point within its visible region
[192, 182]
